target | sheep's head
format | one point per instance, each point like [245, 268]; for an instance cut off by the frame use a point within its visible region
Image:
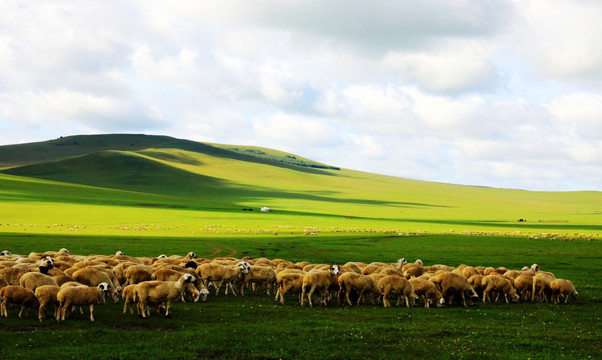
[191, 264]
[402, 261]
[191, 255]
[203, 296]
[535, 268]
[244, 267]
[419, 262]
[162, 256]
[335, 269]
[525, 268]
[63, 252]
[5, 253]
[515, 298]
[45, 265]
[188, 278]
[119, 253]
[441, 303]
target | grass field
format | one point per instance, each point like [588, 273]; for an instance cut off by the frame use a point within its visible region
[255, 327]
[151, 195]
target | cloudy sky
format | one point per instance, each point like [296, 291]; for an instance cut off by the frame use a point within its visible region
[503, 93]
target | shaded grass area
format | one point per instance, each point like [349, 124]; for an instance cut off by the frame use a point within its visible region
[254, 327]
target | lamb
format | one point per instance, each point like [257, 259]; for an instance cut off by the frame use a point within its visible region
[318, 280]
[160, 291]
[289, 282]
[46, 294]
[499, 284]
[33, 280]
[218, 274]
[454, 283]
[396, 285]
[69, 297]
[428, 291]
[562, 287]
[358, 282]
[14, 294]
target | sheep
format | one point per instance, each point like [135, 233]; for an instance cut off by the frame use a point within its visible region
[93, 277]
[541, 285]
[218, 274]
[160, 291]
[259, 276]
[69, 297]
[524, 284]
[499, 284]
[5, 253]
[318, 280]
[469, 271]
[400, 263]
[137, 274]
[513, 273]
[33, 280]
[358, 282]
[12, 274]
[174, 275]
[46, 294]
[14, 294]
[289, 282]
[120, 269]
[562, 287]
[428, 291]
[476, 282]
[448, 282]
[396, 285]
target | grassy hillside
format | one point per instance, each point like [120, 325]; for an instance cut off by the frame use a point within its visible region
[170, 181]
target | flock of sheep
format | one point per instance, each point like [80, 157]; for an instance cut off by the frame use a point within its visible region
[67, 281]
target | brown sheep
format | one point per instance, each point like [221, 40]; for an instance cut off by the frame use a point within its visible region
[541, 285]
[259, 276]
[93, 277]
[499, 284]
[46, 294]
[428, 291]
[357, 282]
[562, 287]
[320, 280]
[393, 284]
[454, 283]
[14, 294]
[288, 282]
[524, 284]
[33, 280]
[218, 274]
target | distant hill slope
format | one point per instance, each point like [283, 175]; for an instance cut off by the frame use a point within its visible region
[69, 146]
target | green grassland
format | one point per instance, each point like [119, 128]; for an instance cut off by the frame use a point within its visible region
[147, 195]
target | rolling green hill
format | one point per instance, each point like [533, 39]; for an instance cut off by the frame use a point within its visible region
[109, 179]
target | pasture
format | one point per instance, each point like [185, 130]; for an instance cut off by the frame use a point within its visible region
[255, 326]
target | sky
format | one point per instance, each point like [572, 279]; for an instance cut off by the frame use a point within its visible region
[500, 93]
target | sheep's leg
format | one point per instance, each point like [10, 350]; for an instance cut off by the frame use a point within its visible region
[142, 308]
[219, 285]
[42, 312]
[21, 312]
[407, 301]
[168, 309]
[340, 294]
[463, 299]
[277, 294]
[231, 288]
[311, 292]
[92, 312]
[386, 302]
[125, 305]
[303, 296]
[360, 297]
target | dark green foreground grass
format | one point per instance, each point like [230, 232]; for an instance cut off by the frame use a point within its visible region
[256, 327]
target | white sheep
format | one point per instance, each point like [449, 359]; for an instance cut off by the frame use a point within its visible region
[360, 283]
[217, 274]
[396, 285]
[69, 297]
[33, 280]
[320, 280]
[563, 287]
[160, 291]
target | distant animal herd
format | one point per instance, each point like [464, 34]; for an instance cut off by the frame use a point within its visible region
[67, 281]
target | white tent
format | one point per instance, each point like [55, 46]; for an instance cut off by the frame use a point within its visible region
[265, 209]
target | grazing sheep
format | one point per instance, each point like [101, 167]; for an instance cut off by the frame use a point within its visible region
[46, 294]
[524, 284]
[33, 280]
[161, 291]
[562, 287]
[454, 283]
[396, 285]
[120, 269]
[469, 271]
[289, 282]
[428, 291]
[14, 294]
[476, 282]
[259, 276]
[499, 284]
[138, 274]
[351, 281]
[541, 286]
[69, 297]
[513, 274]
[320, 280]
